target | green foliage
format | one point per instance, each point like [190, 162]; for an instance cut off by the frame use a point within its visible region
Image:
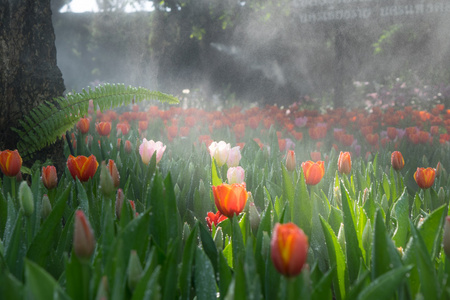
[50, 120]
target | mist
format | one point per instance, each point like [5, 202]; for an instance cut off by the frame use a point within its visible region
[254, 51]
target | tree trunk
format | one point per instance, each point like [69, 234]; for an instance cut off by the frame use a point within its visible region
[28, 71]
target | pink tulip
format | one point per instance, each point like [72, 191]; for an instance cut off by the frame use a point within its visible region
[234, 157]
[235, 175]
[147, 148]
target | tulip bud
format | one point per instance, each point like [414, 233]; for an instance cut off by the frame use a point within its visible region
[290, 161]
[366, 195]
[133, 208]
[119, 202]
[218, 238]
[289, 249]
[344, 163]
[102, 291]
[235, 175]
[127, 147]
[397, 160]
[46, 207]
[438, 169]
[425, 160]
[115, 176]
[26, 199]
[234, 157]
[446, 238]
[134, 270]
[106, 182]
[49, 177]
[83, 237]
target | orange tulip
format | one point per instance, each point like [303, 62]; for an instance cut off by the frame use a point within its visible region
[103, 128]
[344, 163]
[425, 177]
[82, 167]
[49, 177]
[313, 171]
[230, 199]
[83, 237]
[83, 125]
[289, 249]
[397, 160]
[10, 162]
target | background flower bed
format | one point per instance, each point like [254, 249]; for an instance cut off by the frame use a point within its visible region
[371, 233]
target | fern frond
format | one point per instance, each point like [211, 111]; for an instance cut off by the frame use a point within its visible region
[49, 121]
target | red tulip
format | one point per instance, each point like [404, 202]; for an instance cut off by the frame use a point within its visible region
[83, 237]
[289, 249]
[344, 163]
[392, 133]
[315, 155]
[313, 171]
[103, 128]
[83, 125]
[230, 199]
[143, 125]
[214, 218]
[172, 132]
[10, 162]
[124, 128]
[372, 139]
[82, 167]
[397, 160]
[425, 177]
[49, 177]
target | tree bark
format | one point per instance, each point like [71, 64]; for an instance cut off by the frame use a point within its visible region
[28, 71]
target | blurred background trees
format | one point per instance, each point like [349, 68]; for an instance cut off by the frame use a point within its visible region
[248, 50]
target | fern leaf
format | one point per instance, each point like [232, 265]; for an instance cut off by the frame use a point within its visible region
[50, 120]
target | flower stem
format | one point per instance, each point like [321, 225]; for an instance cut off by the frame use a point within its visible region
[13, 187]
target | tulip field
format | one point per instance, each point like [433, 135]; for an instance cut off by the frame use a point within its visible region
[164, 202]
